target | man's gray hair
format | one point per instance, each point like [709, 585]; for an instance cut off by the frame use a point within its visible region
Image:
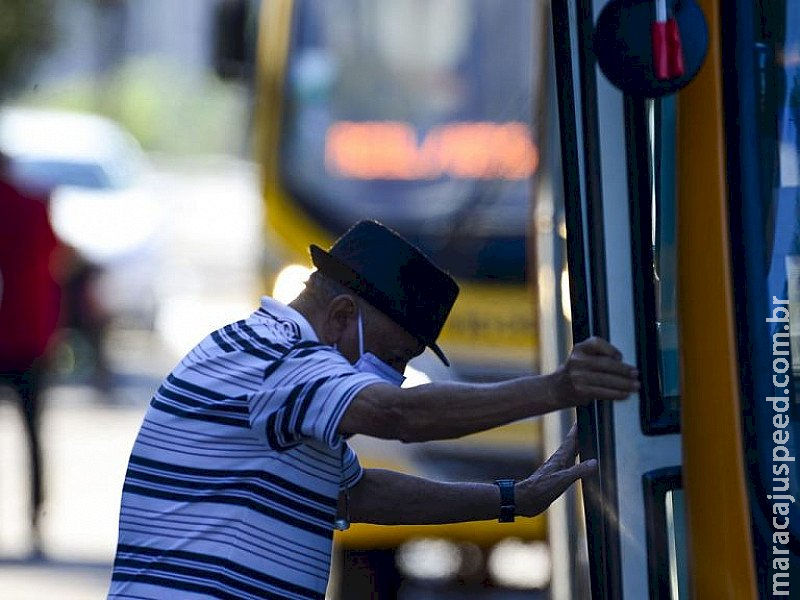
[321, 290]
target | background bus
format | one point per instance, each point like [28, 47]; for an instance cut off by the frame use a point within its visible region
[362, 113]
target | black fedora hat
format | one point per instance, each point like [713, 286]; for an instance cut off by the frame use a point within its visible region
[393, 276]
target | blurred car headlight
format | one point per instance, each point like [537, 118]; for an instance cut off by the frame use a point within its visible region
[102, 224]
[517, 564]
[429, 559]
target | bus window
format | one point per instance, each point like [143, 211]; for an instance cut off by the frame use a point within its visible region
[653, 226]
[676, 538]
[664, 257]
[666, 534]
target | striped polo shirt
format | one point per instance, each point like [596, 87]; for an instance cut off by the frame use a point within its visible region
[232, 485]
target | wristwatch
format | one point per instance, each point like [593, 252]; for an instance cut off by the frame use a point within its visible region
[507, 506]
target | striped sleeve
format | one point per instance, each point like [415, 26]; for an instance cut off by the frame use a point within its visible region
[304, 396]
[352, 471]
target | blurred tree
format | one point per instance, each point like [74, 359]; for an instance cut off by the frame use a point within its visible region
[26, 30]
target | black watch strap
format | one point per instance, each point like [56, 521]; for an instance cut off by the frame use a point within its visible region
[508, 508]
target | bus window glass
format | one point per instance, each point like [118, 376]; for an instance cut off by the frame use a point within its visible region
[664, 255]
[665, 520]
[653, 220]
[676, 539]
[422, 123]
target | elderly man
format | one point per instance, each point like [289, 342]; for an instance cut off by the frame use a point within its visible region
[241, 469]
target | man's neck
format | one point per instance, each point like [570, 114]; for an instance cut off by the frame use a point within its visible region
[306, 308]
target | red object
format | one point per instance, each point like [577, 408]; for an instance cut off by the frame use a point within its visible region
[658, 34]
[667, 49]
[675, 66]
[29, 293]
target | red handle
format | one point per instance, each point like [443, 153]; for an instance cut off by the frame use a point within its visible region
[667, 49]
[676, 67]
[658, 35]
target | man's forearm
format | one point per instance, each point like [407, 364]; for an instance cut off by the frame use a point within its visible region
[450, 410]
[390, 498]
[387, 497]
[594, 370]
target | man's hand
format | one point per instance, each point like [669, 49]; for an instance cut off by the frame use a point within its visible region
[594, 369]
[537, 492]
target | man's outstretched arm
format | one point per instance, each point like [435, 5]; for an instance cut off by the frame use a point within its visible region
[437, 411]
[390, 498]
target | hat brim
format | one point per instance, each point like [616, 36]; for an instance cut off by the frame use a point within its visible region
[341, 272]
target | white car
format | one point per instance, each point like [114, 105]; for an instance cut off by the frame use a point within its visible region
[103, 201]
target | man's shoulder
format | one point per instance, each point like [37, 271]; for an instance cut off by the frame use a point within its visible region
[318, 351]
[275, 327]
[281, 322]
[271, 338]
[309, 360]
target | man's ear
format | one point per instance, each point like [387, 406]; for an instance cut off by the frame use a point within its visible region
[341, 310]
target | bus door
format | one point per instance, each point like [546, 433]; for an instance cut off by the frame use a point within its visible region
[618, 162]
[681, 216]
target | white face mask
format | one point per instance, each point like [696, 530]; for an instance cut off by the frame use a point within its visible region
[369, 363]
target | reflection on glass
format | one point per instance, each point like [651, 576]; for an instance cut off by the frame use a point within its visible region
[665, 256]
[676, 539]
[662, 114]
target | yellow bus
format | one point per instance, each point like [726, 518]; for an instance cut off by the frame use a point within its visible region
[678, 237]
